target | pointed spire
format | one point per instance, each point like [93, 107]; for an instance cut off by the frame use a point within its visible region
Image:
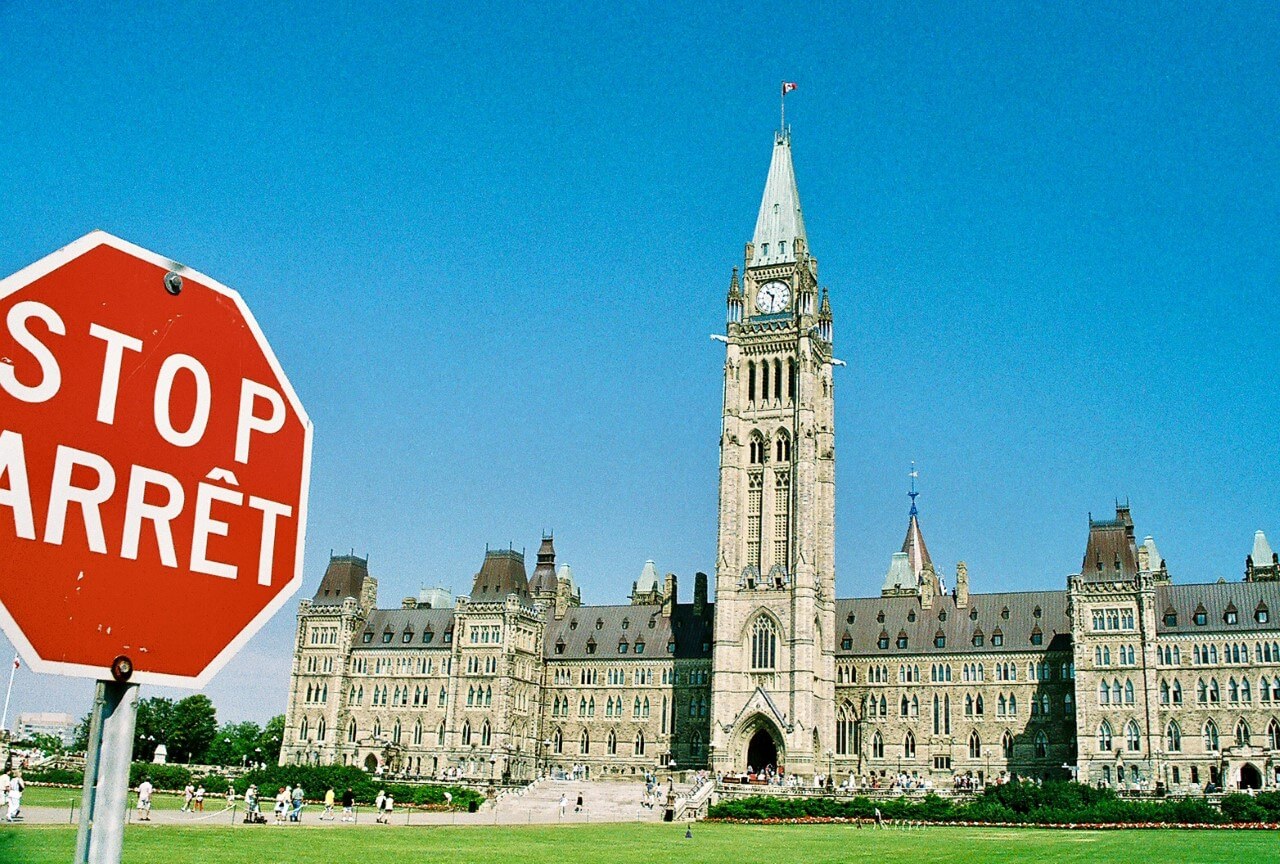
[735, 287]
[917, 553]
[780, 222]
[1262, 553]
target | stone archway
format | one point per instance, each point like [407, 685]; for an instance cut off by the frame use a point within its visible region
[1250, 776]
[762, 751]
[371, 763]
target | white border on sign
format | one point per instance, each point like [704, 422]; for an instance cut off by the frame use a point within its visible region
[32, 272]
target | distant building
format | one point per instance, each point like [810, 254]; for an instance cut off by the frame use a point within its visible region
[55, 723]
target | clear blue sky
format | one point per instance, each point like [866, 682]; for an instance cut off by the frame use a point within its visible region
[488, 242]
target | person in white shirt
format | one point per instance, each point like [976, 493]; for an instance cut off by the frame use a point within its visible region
[16, 785]
[144, 800]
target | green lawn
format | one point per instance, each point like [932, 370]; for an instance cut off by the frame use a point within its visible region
[50, 796]
[645, 844]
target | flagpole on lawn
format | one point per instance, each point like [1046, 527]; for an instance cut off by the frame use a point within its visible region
[4, 718]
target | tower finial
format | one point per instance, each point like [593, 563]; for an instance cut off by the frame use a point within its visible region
[787, 87]
[913, 493]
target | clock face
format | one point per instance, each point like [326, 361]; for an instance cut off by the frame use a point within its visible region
[773, 297]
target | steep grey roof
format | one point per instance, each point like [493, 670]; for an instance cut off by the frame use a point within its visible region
[780, 219]
[343, 578]
[1215, 598]
[415, 622]
[1262, 554]
[606, 626]
[959, 625]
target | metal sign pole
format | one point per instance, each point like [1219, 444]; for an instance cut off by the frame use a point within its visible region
[100, 838]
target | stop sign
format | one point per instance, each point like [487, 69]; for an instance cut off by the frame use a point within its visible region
[154, 463]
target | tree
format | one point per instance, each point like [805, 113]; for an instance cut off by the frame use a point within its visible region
[153, 727]
[47, 744]
[234, 744]
[193, 726]
[271, 739]
[81, 741]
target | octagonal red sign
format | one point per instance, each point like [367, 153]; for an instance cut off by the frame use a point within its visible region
[154, 464]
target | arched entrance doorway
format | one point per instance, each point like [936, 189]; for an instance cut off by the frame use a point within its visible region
[371, 763]
[1250, 776]
[762, 751]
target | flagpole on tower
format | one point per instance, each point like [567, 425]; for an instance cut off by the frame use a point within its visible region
[4, 718]
[782, 109]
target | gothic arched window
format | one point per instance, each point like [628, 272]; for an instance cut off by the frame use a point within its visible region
[975, 745]
[1173, 737]
[1104, 737]
[877, 746]
[764, 643]
[1211, 737]
[1042, 745]
[1132, 737]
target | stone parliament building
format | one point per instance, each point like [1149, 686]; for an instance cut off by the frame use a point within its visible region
[1124, 677]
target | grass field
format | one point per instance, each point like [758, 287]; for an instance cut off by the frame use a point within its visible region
[49, 796]
[645, 844]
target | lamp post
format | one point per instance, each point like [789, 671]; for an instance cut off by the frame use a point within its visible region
[830, 765]
[546, 756]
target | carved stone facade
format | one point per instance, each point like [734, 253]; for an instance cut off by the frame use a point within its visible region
[1124, 677]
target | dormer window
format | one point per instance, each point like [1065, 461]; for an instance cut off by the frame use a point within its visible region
[911, 616]
[640, 647]
[1170, 617]
[407, 637]
[448, 637]
[591, 645]
[942, 616]
[977, 639]
[626, 623]
[1037, 637]
[902, 639]
[1004, 613]
[1231, 616]
[782, 247]
[1201, 617]
[368, 637]
[1261, 614]
[880, 617]
[653, 622]
[622, 647]
[599, 623]
[848, 619]
[764, 250]
[846, 643]
[386, 637]
[1035, 612]
[883, 641]
[997, 638]
[939, 640]
[671, 646]
[559, 646]
[573, 624]
[427, 636]
[973, 614]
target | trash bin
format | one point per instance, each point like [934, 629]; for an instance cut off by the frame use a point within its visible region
[668, 815]
[473, 806]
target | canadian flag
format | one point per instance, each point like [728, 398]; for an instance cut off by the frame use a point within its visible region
[787, 87]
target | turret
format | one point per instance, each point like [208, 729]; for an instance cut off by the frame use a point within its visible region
[824, 318]
[1262, 565]
[734, 301]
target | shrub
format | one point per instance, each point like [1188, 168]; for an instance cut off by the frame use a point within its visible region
[161, 776]
[1056, 802]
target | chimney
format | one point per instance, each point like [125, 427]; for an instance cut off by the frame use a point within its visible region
[669, 595]
[926, 588]
[700, 594]
[409, 603]
[962, 585]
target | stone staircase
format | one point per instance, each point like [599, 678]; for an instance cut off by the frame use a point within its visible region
[602, 800]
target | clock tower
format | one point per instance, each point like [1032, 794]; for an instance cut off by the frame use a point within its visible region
[774, 685]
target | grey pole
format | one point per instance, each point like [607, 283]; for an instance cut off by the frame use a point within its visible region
[92, 749]
[101, 836]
